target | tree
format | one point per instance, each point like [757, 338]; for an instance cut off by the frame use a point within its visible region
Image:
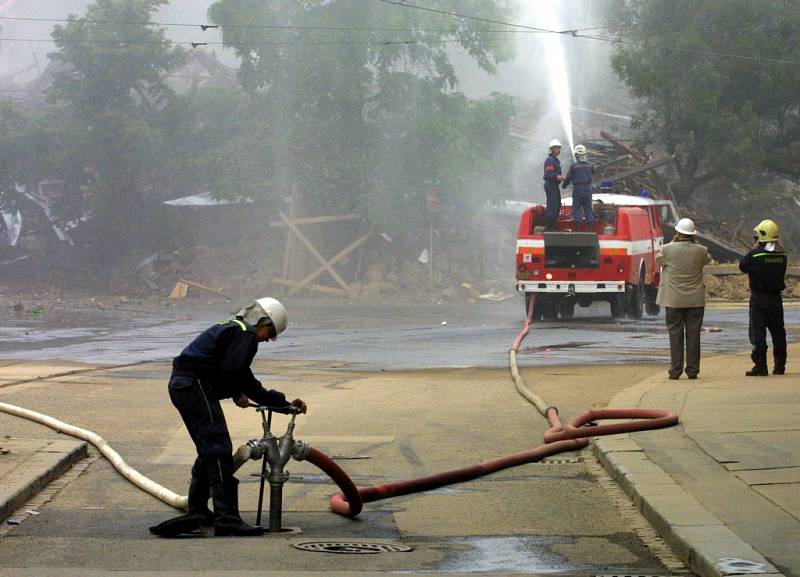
[366, 119]
[111, 88]
[719, 79]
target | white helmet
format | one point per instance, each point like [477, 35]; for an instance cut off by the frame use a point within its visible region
[276, 313]
[266, 309]
[686, 227]
[553, 143]
[580, 150]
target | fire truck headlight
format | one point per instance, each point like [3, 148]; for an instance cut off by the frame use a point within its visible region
[548, 276]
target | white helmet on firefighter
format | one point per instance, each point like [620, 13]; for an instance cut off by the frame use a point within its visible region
[268, 311]
[553, 143]
[276, 313]
[580, 152]
[686, 227]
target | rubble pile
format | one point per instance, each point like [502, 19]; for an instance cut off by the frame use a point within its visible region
[632, 169]
[720, 214]
[734, 287]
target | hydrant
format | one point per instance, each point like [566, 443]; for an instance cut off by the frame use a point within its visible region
[274, 453]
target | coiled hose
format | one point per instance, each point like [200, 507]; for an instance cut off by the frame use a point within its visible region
[558, 438]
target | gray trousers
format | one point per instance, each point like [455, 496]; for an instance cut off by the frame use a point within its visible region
[684, 326]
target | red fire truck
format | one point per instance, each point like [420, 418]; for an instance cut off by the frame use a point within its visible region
[613, 262]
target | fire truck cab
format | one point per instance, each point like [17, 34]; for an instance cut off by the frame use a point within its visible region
[614, 261]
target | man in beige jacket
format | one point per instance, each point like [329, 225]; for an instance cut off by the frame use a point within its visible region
[683, 294]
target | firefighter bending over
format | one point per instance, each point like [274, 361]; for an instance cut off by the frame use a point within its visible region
[765, 264]
[580, 176]
[215, 366]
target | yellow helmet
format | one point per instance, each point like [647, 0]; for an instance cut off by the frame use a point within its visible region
[766, 231]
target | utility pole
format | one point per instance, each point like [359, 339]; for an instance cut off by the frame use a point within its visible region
[433, 204]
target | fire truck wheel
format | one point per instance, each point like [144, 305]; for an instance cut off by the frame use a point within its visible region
[566, 308]
[550, 313]
[636, 300]
[618, 306]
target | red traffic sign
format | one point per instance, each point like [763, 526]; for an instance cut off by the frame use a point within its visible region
[433, 199]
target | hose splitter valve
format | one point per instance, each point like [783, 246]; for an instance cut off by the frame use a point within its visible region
[274, 453]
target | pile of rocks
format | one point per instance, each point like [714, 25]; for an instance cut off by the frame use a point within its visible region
[735, 287]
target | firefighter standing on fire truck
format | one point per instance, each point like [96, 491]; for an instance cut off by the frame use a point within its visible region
[765, 264]
[580, 176]
[552, 176]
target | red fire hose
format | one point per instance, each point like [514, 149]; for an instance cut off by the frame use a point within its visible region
[349, 503]
[558, 439]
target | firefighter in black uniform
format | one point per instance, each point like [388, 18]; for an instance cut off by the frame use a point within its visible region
[552, 178]
[580, 176]
[765, 264]
[215, 366]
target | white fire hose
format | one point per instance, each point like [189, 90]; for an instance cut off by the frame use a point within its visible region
[134, 476]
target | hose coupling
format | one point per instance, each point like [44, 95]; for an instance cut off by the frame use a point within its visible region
[257, 448]
[300, 450]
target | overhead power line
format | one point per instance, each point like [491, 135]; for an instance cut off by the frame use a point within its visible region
[404, 4]
[516, 29]
[613, 40]
[693, 51]
[512, 28]
[122, 42]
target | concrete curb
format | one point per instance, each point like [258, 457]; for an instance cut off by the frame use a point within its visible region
[32, 475]
[695, 535]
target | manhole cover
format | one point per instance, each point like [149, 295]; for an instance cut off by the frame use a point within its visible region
[350, 548]
[734, 566]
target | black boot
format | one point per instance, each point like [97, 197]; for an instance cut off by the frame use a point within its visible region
[226, 506]
[198, 501]
[757, 371]
[759, 358]
[180, 525]
[779, 356]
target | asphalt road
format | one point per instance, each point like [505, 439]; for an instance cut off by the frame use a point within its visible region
[395, 393]
[391, 336]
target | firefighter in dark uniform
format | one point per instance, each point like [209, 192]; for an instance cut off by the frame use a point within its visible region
[215, 366]
[765, 264]
[552, 177]
[580, 176]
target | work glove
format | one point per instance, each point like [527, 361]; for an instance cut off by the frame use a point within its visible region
[241, 400]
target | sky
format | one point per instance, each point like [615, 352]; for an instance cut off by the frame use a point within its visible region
[17, 56]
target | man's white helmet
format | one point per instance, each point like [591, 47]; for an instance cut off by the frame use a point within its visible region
[266, 311]
[686, 227]
[276, 313]
[553, 143]
[580, 150]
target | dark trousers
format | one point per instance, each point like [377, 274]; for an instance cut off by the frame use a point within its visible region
[684, 326]
[213, 468]
[582, 207]
[766, 312]
[553, 194]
